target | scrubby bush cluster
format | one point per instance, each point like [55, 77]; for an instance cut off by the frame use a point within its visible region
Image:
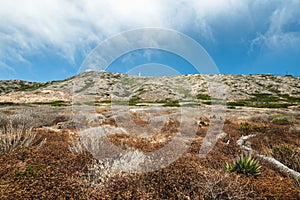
[288, 155]
[220, 185]
[247, 127]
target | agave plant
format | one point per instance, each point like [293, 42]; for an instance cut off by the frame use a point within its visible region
[247, 165]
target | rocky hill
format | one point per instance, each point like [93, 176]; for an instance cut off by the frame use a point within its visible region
[17, 85]
[101, 87]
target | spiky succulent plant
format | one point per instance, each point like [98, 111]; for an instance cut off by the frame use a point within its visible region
[244, 165]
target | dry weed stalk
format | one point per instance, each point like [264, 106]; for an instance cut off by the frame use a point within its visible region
[220, 185]
[76, 147]
[100, 172]
[14, 136]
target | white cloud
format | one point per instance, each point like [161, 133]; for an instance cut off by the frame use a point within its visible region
[278, 34]
[69, 27]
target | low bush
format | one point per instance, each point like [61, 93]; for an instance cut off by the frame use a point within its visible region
[220, 185]
[203, 96]
[53, 103]
[280, 121]
[288, 155]
[253, 127]
[31, 171]
[263, 97]
[245, 127]
[265, 101]
[237, 103]
[273, 105]
[173, 103]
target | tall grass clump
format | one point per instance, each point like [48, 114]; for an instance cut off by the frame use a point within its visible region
[15, 133]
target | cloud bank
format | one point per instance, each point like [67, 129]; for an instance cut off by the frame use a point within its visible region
[68, 28]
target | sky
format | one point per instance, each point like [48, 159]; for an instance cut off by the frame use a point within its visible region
[50, 39]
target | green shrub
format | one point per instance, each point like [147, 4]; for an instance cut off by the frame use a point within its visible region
[231, 107]
[8, 104]
[273, 105]
[193, 105]
[280, 121]
[263, 97]
[289, 98]
[32, 87]
[172, 103]
[287, 155]
[262, 100]
[247, 166]
[134, 100]
[31, 171]
[53, 103]
[207, 102]
[253, 127]
[245, 127]
[106, 101]
[259, 127]
[237, 103]
[203, 97]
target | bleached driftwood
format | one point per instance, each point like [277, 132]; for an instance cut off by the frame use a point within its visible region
[279, 165]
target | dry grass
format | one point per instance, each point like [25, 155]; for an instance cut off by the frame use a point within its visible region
[99, 172]
[18, 127]
[147, 144]
[69, 171]
[15, 134]
[220, 185]
[183, 179]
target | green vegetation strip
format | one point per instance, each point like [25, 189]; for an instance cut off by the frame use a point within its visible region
[8, 104]
[267, 101]
[53, 103]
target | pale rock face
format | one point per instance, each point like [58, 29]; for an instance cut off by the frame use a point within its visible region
[114, 86]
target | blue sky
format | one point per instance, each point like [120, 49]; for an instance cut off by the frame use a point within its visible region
[49, 40]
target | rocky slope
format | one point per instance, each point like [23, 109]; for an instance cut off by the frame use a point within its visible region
[105, 86]
[17, 85]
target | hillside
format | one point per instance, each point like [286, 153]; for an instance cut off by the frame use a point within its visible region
[17, 85]
[241, 90]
